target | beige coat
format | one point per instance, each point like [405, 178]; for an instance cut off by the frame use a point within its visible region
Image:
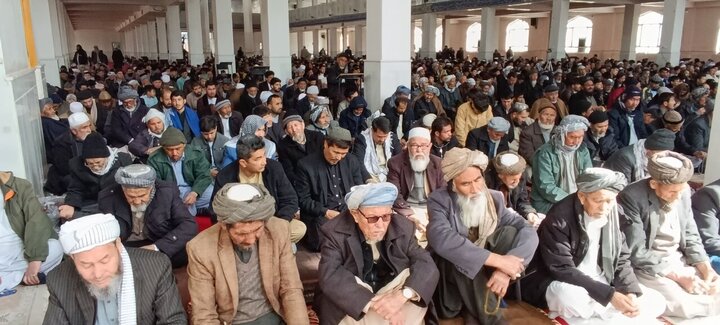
[213, 279]
[467, 119]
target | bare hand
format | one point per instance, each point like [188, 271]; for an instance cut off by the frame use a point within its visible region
[417, 222]
[625, 304]
[508, 264]
[214, 172]
[388, 304]
[700, 154]
[191, 198]
[330, 214]
[66, 211]
[31, 274]
[687, 282]
[397, 319]
[534, 219]
[498, 283]
[150, 247]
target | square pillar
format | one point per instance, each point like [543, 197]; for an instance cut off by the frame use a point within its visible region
[194, 27]
[359, 35]
[276, 37]
[205, 21]
[488, 34]
[629, 34]
[47, 45]
[387, 64]
[713, 158]
[300, 41]
[172, 17]
[223, 32]
[332, 41]
[248, 36]
[152, 40]
[558, 28]
[672, 29]
[162, 38]
[429, 24]
[316, 42]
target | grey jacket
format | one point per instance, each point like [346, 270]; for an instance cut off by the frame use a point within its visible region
[447, 235]
[624, 161]
[706, 209]
[640, 220]
[218, 149]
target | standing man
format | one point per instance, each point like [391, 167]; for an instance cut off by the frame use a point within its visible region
[251, 276]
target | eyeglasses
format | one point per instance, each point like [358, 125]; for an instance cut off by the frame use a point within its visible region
[418, 146]
[375, 219]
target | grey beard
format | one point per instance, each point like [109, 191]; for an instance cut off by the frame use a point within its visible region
[546, 126]
[139, 208]
[106, 293]
[472, 209]
[300, 138]
[419, 165]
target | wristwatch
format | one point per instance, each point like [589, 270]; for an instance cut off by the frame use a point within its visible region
[408, 293]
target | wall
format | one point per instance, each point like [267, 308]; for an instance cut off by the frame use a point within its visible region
[100, 37]
[239, 39]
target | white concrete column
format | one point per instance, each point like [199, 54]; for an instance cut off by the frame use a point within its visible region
[136, 41]
[276, 37]
[162, 38]
[63, 32]
[359, 35]
[300, 42]
[47, 44]
[248, 37]
[316, 42]
[672, 29]
[205, 20]
[223, 33]
[429, 24]
[629, 34]
[145, 39]
[172, 16]
[388, 63]
[488, 34]
[332, 41]
[558, 28]
[713, 158]
[152, 40]
[128, 46]
[194, 27]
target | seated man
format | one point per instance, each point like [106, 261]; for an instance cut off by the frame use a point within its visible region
[442, 137]
[632, 160]
[90, 173]
[583, 265]
[252, 167]
[66, 147]
[148, 141]
[187, 167]
[416, 173]
[253, 125]
[599, 138]
[665, 247]
[479, 244]
[540, 132]
[557, 163]
[183, 117]
[505, 175]
[105, 283]
[228, 121]
[393, 280]
[150, 212]
[491, 138]
[211, 143]
[251, 276]
[375, 146]
[706, 209]
[126, 120]
[323, 178]
[53, 126]
[29, 248]
[297, 144]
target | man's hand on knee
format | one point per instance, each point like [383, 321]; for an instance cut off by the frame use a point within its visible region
[498, 283]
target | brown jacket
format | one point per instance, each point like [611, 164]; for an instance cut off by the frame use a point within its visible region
[400, 174]
[531, 138]
[213, 279]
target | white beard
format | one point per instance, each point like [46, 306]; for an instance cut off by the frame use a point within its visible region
[546, 126]
[419, 164]
[106, 293]
[300, 138]
[472, 209]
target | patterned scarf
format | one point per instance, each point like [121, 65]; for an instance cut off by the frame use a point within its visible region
[127, 314]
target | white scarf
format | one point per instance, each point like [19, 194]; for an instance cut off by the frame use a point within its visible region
[371, 158]
[127, 313]
[641, 160]
[110, 162]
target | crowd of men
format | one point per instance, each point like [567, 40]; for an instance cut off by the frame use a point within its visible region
[568, 177]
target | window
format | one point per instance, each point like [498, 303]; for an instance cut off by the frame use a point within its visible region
[579, 35]
[417, 41]
[649, 31]
[517, 36]
[472, 36]
[438, 39]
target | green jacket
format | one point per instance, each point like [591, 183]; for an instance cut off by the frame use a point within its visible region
[546, 189]
[195, 168]
[27, 218]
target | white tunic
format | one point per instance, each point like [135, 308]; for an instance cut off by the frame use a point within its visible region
[12, 261]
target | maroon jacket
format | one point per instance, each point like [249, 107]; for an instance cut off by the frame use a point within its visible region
[400, 174]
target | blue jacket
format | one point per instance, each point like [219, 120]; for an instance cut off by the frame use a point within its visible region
[619, 123]
[192, 120]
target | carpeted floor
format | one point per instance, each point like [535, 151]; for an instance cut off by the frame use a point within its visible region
[27, 306]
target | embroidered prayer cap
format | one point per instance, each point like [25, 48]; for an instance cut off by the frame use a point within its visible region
[135, 175]
[594, 179]
[77, 119]
[509, 163]
[289, 119]
[371, 195]
[313, 90]
[419, 132]
[669, 167]
[83, 234]
[237, 202]
[456, 160]
[153, 113]
[77, 107]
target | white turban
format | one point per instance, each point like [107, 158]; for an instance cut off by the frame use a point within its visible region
[77, 119]
[76, 107]
[264, 96]
[419, 132]
[153, 113]
[86, 233]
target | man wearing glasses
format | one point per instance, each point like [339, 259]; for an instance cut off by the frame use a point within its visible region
[372, 270]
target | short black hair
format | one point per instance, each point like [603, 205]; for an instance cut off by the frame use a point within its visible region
[148, 88]
[247, 145]
[260, 110]
[269, 73]
[665, 97]
[342, 144]
[272, 97]
[381, 124]
[349, 91]
[440, 123]
[275, 80]
[208, 123]
[177, 93]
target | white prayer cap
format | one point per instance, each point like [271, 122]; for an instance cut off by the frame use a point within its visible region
[419, 132]
[264, 96]
[165, 78]
[83, 234]
[77, 119]
[76, 107]
[239, 86]
[153, 113]
[242, 192]
[313, 90]
[428, 120]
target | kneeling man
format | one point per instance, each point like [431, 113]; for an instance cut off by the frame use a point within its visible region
[372, 270]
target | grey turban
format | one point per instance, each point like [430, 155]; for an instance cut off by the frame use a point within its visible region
[669, 167]
[135, 175]
[595, 178]
[371, 195]
[509, 163]
[456, 160]
[237, 202]
[126, 93]
[251, 124]
[571, 123]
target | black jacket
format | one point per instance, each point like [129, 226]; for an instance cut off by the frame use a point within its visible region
[85, 185]
[440, 151]
[313, 187]
[563, 245]
[53, 130]
[274, 179]
[619, 123]
[63, 149]
[518, 198]
[143, 141]
[290, 152]
[600, 151]
[236, 120]
[478, 139]
[168, 223]
[124, 127]
[204, 108]
[392, 115]
[246, 104]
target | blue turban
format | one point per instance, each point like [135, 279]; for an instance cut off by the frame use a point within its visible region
[371, 195]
